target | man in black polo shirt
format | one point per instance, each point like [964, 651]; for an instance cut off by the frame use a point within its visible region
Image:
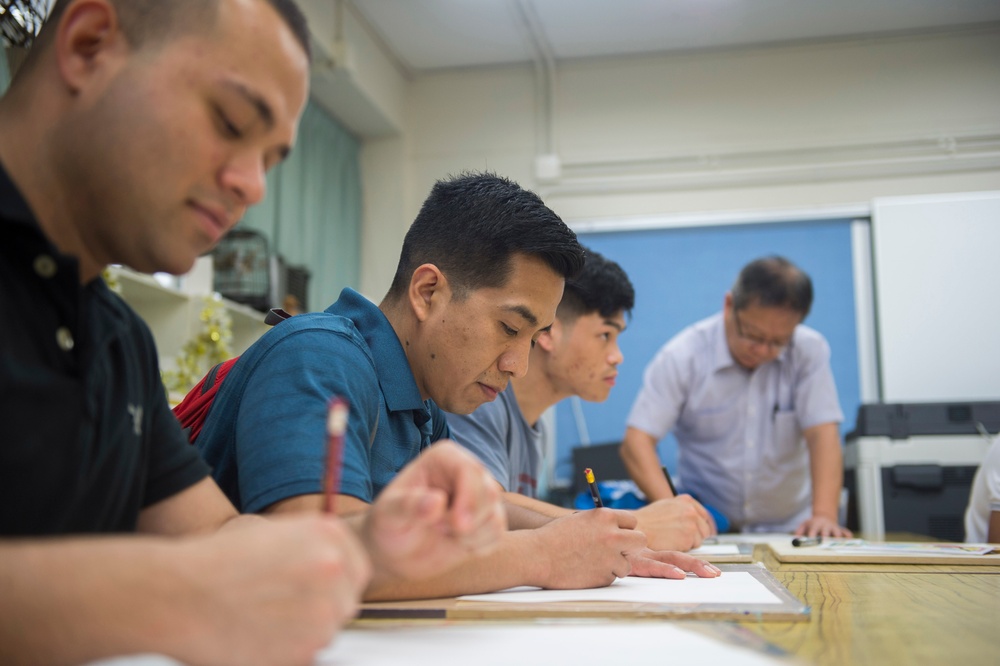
[138, 132]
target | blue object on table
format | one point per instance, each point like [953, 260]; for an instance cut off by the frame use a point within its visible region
[721, 522]
[614, 495]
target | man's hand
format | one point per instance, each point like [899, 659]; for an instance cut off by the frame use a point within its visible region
[269, 591]
[676, 523]
[670, 564]
[821, 526]
[440, 509]
[587, 549]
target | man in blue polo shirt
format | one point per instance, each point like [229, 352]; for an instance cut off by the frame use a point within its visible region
[479, 278]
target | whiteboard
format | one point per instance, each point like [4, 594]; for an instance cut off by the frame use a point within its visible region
[937, 296]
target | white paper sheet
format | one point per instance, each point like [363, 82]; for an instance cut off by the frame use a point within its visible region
[560, 643]
[905, 548]
[716, 549]
[751, 537]
[731, 588]
[551, 644]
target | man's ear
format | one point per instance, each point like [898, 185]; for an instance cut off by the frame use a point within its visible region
[87, 30]
[428, 288]
[547, 339]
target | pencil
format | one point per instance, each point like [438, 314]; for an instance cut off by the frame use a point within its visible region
[592, 483]
[336, 426]
[670, 482]
[800, 542]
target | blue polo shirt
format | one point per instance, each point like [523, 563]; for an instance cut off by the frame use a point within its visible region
[265, 435]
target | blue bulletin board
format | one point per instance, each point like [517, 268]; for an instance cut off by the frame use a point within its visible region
[681, 275]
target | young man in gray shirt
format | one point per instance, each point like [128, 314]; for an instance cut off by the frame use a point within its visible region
[579, 355]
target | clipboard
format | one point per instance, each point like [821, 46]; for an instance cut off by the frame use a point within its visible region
[894, 552]
[744, 553]
[788, 609]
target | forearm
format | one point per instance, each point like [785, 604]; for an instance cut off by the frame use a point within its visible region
[199, 509]
[638, 452]
[993, 533]
[826, 466]
[518, 560]
[76, 600]
[529, 513]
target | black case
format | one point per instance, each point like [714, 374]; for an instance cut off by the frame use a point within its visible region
[902, 420]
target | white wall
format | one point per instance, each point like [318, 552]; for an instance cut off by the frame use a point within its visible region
[838, 123]
[789, 127]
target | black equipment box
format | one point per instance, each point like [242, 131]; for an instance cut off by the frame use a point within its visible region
[902, 420]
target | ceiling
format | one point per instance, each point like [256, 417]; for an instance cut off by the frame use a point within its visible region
[425, 35]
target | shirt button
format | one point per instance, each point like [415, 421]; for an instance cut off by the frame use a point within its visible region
[64, 338]
[45, 266]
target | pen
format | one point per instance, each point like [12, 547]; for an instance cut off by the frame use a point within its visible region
[807, 541]
[592, 482]
[670, 482]
[336, 426]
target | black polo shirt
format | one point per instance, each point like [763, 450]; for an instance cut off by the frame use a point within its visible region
[87, 438]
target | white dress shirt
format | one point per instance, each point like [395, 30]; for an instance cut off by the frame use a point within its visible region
[740, 431]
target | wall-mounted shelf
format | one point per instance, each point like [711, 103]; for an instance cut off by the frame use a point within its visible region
[173, 315]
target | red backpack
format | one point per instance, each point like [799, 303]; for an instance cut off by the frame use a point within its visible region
[193, 409]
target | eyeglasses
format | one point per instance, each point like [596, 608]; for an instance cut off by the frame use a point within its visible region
[774, 345]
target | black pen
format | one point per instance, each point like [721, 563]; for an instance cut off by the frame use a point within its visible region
[670, 482]
[807, 541]
[592, 482]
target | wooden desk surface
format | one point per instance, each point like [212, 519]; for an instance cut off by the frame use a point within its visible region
[886, 617]
[888, 613]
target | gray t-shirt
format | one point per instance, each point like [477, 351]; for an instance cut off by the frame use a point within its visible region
[498, 434]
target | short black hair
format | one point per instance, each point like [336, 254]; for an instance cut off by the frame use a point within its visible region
[296, 21]
[602, 287]
[146, 20]
[471, 226]
[773, 282]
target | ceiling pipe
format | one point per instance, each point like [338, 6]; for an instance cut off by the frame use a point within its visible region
[547, 163]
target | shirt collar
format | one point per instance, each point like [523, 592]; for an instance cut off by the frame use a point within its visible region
[721, 358]
[13, 207]
[392, 368]
[15, 211]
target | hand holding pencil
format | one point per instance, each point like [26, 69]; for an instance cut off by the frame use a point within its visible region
[440, 509]
[595, 493]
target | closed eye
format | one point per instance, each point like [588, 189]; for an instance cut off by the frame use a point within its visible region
[229, 129]
[510, 332]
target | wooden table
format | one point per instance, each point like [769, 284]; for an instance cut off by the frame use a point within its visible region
[889, 614]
